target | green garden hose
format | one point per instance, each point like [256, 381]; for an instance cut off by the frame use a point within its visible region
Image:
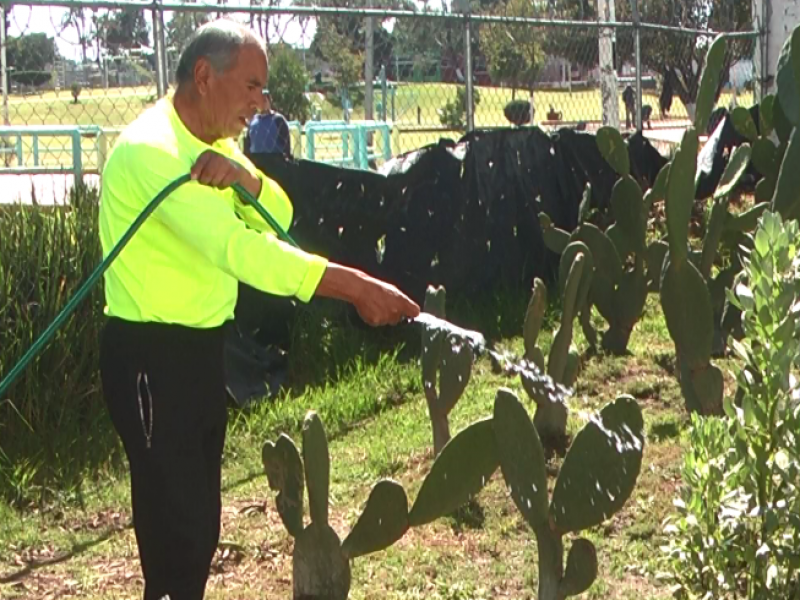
[48, 333]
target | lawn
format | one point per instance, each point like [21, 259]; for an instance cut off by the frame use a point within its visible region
[416, 107]
[377, 423]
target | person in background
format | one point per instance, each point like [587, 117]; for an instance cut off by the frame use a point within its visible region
[171, 293]
[268, 132]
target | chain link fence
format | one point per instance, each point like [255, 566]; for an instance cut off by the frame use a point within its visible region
[359, 84]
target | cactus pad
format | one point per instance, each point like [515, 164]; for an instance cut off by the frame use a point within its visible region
[456, 368]
[463, 467]
[318, 467]
[789, 77]
[688, 313]
[709, 83]
[319, 567]
[786, 200]
[534, 315]
[601, 467]
[765, 114]
[708, 387]
[435, 301]
[584, 279]
[285, 474]
[551, 414]
[614, 149]
[743, 123]
[737, 165]
[521, 457]
[581, 568]
[383, 522]
[656, 252]
[554, 238]
[659, 190]
[680, 195]
[608, 267]
[765, 157]
[627, 204]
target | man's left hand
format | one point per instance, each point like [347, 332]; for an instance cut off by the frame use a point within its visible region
[216, 170]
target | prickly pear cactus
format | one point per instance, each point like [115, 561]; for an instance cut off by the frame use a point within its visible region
[596, 480]
[575, 280]
[534, 316]
[446, 368]
[619, 292]
[321, 562]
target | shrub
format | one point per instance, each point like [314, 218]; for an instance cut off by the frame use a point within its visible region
[454, 113]
[738, 531]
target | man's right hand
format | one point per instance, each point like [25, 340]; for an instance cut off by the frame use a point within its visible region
[377, 302]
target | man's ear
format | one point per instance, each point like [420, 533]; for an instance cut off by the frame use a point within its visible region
[202, 76]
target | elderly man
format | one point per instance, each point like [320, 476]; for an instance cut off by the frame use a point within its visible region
[173, 288]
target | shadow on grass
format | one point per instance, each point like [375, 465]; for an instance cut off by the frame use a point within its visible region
[76, 550]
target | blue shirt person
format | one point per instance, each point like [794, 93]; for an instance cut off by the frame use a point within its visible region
[268, 132]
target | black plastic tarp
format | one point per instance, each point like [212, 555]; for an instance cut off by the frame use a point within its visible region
[463, 214]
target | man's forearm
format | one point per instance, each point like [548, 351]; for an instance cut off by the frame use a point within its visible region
[251, 183]
[341, 283]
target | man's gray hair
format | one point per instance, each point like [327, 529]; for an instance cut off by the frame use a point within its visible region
[218, 42]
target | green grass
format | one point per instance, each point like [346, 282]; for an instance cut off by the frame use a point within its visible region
[116, 107]
[373, 408]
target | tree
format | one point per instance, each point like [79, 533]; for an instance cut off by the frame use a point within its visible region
[287, 83]
[126, 29]
[181, 27]
[679, 58]
[76, 17]
[337, 51]
[31, 57]
[514, 53]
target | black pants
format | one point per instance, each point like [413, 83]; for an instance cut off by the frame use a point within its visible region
[165, 391]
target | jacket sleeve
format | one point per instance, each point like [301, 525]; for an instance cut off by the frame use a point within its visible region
[272, 197]
[204, 218]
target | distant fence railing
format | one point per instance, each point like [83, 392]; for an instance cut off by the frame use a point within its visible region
[424, 74]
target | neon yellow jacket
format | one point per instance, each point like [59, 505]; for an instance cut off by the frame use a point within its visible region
[183, 264]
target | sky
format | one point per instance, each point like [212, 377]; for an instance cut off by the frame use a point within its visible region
[48, 19]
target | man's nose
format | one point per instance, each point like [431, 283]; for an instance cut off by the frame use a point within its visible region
[259, 102]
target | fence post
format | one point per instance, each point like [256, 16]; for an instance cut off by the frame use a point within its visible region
[761, 19]
[158, 39]
[369, 68]
[608, 73]
[637, 32]
[3, 60]
[470, 92]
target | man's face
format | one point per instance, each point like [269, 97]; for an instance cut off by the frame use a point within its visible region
[235, 96]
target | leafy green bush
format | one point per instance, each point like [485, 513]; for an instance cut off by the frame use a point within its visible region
[454, 113]
[738, 532]
[287, 83]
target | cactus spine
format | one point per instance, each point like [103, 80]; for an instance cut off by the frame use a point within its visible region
[596, 479]
[447, 358]
[321, 562]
